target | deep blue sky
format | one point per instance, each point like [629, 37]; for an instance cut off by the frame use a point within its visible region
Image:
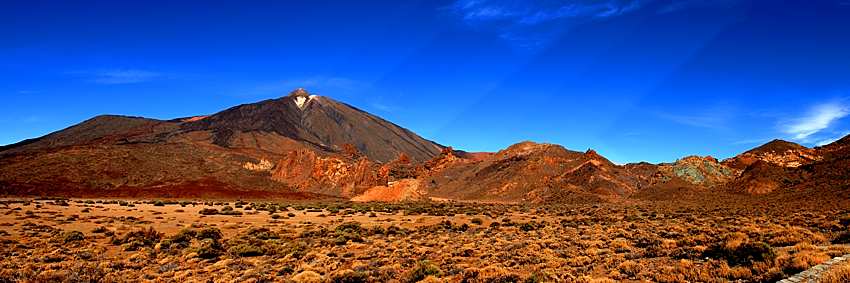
[635, 80]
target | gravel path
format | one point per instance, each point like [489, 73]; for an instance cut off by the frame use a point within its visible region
[814, 273]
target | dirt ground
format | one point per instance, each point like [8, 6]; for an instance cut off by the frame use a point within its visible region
[86, 240]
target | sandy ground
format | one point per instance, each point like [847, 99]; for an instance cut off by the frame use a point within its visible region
[172, 218]
[461, 241]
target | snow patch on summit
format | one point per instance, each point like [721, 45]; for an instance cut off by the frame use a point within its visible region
[301, 101]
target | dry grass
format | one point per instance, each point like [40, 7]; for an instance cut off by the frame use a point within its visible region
[413, 242]
[837, 274]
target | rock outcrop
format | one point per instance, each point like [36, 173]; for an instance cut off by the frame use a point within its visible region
[702, 171]
[778, 152]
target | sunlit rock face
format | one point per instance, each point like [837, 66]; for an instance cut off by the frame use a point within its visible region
[777, 152]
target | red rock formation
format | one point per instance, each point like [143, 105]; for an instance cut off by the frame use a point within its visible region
[305, 170]
[525, 172]
[779, 152]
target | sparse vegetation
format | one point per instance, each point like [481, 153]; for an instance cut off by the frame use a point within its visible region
[72, 236]
[422, 242]
[422, 270]
[136, 240]
[838, 274]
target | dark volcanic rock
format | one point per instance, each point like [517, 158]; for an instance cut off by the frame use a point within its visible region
[320, 121]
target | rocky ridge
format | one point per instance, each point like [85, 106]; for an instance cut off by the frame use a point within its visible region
[304, 145]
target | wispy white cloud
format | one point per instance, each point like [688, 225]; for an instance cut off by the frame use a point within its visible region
[527, 23]
[118, 76]
[699, 120]
[818, 118]
[715, 117]
[677, 5]
[537, 12]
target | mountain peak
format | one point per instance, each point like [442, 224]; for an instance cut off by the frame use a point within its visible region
[777, 145]
[299, 92]
[301, 96]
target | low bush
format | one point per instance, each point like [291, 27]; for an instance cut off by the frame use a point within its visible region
[349, 231]
[395, 230]
[100, 230]
[842, 238]
[209, 233]
[630, 268]
[209, 249]
[181, 240]
[230, 212]
[422, 270]
[72, 236]
[844, 220]
[208, 244]
[531, 226]
[261, 234]
[135, 240]
[349, 276]
[246, 250]
[745, 253]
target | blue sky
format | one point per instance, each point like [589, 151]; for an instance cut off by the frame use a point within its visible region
[637, 80]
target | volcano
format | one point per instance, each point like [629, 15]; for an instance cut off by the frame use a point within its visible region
[239, 151]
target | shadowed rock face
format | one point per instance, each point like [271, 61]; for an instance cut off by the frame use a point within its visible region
[787, 168]
[763, 177]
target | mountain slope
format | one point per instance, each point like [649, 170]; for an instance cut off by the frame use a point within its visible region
[527, 171]
[785, 167]
[241, 150]
[319, 121]
[307, 146]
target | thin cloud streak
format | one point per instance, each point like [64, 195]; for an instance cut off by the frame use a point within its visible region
[819, 118]
[118, 76]
[702, 121]
[537, 12]
[716, 117]
[530, 24]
